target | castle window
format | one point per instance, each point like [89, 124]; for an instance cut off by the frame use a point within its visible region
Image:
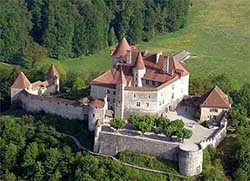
[113, 92]
[108, 99]
[147, 82]
[173, 87]
[149, 96]
[153, 82]
[108, 91]
[113, 100]
[93, 115]
[138, 104]
[134, 95]
[172, 95]
[147, 104]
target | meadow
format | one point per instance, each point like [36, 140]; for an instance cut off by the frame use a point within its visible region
[217, 35]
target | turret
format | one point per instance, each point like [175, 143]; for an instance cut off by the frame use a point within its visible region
[121, 52]
[53, 75]
[21, 83]
[120, 86]
[139, 71]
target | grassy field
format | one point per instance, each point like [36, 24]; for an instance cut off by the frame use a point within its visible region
[217, 35]
[148, 162]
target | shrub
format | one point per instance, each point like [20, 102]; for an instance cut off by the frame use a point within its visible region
[117, 123]
[162, 122]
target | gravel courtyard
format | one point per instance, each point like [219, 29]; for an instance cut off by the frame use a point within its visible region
[199, 132]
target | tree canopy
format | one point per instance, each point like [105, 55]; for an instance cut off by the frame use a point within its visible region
[79, 27]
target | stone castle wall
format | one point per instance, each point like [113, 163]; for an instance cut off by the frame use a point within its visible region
[36, 103]
[111, 143]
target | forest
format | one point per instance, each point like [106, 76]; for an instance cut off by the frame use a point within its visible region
[31, 29]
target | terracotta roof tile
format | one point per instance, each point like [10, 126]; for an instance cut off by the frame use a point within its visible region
[40, 84]
[214, 98]
[139, 62]
[121, 48]
[53, 72]
[98, 103]
[21, 82]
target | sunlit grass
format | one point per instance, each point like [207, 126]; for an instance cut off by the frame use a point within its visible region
[217, 35]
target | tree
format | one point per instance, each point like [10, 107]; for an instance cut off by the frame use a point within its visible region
[31, 154]
[243, 97]
[10, 156]
[15, 24]
[238, 116]
[117, 123]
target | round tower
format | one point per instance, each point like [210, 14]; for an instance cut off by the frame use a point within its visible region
[190, 159]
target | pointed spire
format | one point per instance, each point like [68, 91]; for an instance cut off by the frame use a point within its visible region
[53, 72]
[122, 48]
[139, 64]
[21, 82]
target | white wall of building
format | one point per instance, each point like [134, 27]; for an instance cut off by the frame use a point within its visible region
[209, 114]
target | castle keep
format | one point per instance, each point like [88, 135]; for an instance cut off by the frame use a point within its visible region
[139, 82]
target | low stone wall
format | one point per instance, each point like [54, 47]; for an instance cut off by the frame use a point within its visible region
[219, 135]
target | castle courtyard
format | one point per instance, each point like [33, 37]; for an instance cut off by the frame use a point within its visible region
[199, 132]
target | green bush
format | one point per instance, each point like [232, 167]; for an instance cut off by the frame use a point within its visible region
[117, 123]
[148, 161]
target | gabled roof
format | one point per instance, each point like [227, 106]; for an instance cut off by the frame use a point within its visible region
[53, 72]
[214, 98]
[139, 62]
[121, 48]
[21, 82]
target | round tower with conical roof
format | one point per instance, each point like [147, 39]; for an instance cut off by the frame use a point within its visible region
[53, 76]
[139, 71]
[121, 52]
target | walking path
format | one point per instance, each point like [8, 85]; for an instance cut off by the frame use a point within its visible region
[78, 144]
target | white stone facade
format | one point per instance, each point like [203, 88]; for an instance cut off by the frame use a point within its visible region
[212, 114]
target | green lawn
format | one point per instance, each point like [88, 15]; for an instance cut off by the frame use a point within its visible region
[217, 35]
[148, 162]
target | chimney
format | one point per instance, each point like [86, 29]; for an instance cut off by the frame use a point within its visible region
[165, 67]
[158, 57]
[129, 59]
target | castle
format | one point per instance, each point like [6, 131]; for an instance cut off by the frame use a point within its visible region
[139, 82]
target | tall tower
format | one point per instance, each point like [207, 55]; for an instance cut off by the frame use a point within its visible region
[121, 52]
[54, 76]
[139, 71]
[120, 86]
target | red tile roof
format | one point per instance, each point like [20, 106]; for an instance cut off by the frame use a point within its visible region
[40, 84]
[121, 48]
[214, 98]
[139, 62]
[53, 72]
[21, 82]
[154, 69]
[98, 103]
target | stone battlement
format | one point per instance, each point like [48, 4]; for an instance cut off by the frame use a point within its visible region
[112, 142]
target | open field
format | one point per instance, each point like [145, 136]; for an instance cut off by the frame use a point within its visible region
[217, 35]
